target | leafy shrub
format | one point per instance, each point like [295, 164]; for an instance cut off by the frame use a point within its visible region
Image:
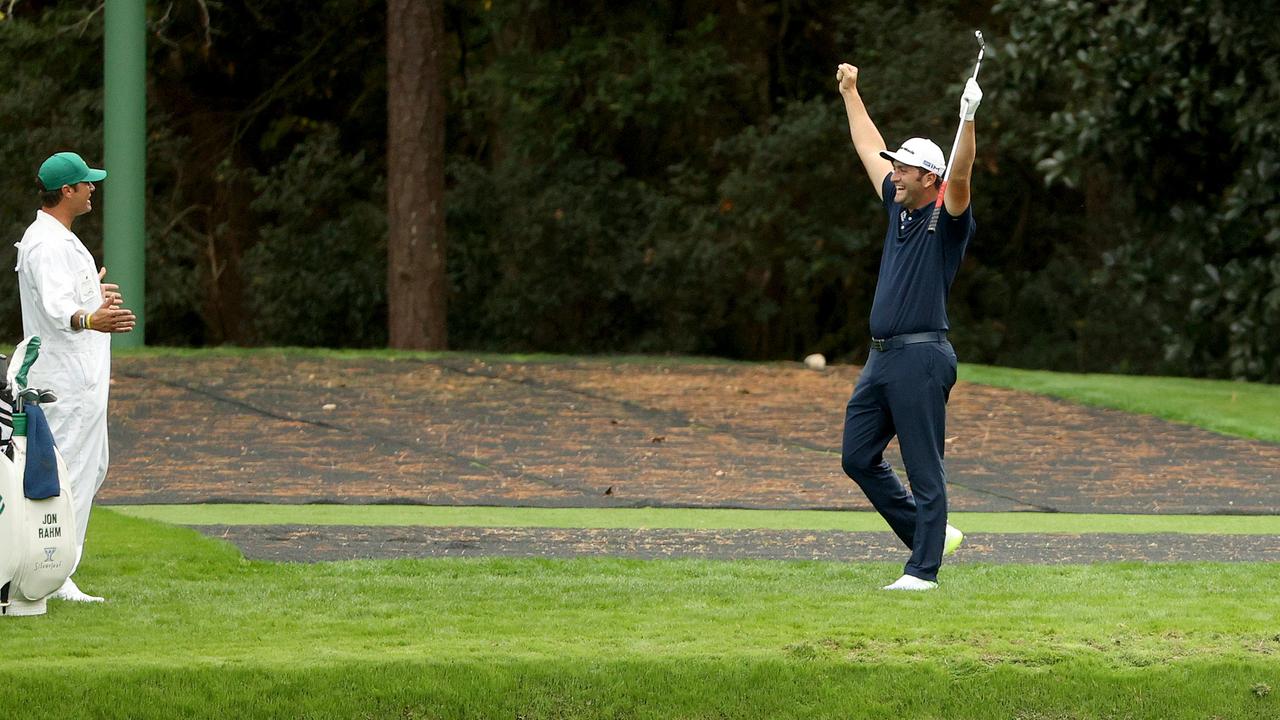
[317, 275]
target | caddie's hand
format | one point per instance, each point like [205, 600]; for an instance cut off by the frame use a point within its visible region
[970, 100]
[847, 77]
[109, 291]
[109, 318]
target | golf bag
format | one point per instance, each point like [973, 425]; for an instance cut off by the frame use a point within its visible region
[37, 526]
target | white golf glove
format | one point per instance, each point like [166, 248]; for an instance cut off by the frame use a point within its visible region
[970, 100]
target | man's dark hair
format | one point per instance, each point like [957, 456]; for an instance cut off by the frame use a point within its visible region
[48, 198]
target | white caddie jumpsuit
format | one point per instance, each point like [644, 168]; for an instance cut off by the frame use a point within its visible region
[56, 277]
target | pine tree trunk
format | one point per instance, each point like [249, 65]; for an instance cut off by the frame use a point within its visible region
[416, 277]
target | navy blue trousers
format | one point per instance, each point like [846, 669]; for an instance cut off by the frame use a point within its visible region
[904, 392]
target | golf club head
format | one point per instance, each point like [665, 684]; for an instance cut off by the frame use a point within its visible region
[37, 396]
[982, 50]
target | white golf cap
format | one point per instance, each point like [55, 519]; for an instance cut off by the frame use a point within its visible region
[919, 152]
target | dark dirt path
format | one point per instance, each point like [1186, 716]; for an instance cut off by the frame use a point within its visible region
[311, 543]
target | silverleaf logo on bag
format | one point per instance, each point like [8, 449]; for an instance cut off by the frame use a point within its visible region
[49, 563]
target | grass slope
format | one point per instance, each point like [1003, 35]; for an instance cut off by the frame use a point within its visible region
[705, 519]
[1233, 408]
[194, 630]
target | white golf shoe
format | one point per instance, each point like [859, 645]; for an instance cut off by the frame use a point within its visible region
[952, 541]
[910, 582]
[72, 593]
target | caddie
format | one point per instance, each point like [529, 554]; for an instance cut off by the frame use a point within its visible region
[65, 302]
[911, 366]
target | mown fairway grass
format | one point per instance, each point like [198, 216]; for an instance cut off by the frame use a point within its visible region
[704, 519]
[194, 630]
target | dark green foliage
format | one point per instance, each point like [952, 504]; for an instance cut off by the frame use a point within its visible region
[677, 176]
[543, 257]
[564, 238]
[318, 272]
[796, 255]
[44, 112]
[1164, 116]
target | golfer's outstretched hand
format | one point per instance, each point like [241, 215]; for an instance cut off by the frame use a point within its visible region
[970, 100]
[847, 77]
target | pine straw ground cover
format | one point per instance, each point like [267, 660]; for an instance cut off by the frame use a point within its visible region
[295, 426]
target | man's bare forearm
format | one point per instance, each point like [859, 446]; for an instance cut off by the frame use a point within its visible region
[959, 181]
[962, 163]
[867, 141]
[865, 135]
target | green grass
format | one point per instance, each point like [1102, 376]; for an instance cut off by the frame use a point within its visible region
[194, 630]
[705, 519]
[1234, 408]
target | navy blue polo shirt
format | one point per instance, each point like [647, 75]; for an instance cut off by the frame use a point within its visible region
[916, 268]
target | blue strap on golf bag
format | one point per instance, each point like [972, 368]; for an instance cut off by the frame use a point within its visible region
[40, 480]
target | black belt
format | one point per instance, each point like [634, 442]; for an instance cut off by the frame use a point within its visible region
[898, 341]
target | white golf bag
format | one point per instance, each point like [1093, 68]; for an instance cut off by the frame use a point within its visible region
[37, 536]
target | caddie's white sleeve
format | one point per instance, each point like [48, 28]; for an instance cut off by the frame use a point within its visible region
[54, 280]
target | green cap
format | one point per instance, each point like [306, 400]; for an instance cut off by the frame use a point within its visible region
[67, 168]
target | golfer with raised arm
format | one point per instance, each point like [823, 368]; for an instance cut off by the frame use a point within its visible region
[904, 386]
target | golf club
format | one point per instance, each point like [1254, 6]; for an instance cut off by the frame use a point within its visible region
[942, 189]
